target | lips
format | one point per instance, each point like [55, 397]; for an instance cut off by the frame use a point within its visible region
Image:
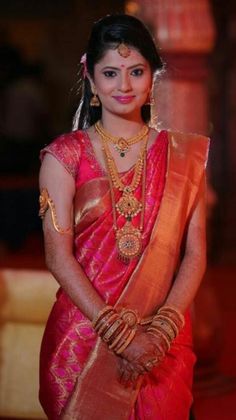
[124, 99]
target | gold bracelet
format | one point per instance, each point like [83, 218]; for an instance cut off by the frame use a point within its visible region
[103, 329]
[156, 334]
[108, 335]
[170, 321]
[123, 339]
[168, 309]
[127, 342]
[161, 334]
[103, 320]
[130, 317]
[101, 313]
[163, 325]
[118, 338]
[173, 318]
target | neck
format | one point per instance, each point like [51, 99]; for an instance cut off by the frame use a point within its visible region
[122, 126]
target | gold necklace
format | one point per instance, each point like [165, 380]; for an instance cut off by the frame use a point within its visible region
[121, 145]
[128, 238]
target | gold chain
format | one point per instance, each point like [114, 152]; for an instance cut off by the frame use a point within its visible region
[129, 238]
[121, 145]
[114, 172]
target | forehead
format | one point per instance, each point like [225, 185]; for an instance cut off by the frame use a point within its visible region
[114, 59]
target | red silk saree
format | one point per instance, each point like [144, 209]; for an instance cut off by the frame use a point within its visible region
[75, 366]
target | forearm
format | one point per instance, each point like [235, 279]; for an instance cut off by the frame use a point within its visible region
[187, 282]
[71, 277]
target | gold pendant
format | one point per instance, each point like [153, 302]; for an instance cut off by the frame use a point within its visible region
[129, 242]
[128, 206]
[122, 146]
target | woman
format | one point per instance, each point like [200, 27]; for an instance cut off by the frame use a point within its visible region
[124, 227]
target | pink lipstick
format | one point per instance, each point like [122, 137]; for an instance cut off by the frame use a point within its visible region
[124, 99]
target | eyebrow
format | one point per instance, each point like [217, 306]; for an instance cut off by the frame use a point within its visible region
[129, 68]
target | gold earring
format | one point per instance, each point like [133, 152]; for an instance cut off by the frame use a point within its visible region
[94, 101]
[153, 113]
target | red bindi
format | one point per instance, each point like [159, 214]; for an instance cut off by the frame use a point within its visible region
[122, 65]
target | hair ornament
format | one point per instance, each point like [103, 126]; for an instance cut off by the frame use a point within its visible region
[83, 61]
[123, 50]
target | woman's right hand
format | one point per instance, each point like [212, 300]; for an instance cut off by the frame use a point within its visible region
[142, 353]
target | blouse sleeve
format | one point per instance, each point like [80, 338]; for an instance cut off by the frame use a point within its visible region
[67, 150]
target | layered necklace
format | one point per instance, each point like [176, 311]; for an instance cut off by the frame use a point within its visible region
[129, 237]
[122, 146]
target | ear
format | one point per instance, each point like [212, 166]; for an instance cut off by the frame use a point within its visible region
[92, 85]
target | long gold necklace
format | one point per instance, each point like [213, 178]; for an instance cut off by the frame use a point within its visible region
[122, 146]
[128, 238]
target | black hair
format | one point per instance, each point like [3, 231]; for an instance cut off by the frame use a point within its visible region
[108, 33]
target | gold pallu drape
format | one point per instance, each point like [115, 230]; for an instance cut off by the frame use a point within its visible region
[98, 394]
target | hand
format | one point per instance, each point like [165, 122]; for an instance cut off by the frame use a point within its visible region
[128, 373]
[140, 356]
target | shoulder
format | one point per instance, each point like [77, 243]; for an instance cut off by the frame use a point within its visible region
[189, 144]
[66, 148]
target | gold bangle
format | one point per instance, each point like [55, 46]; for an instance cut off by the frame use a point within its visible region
[173, 318]
[101, 313]
[161, 334]
[167, 308]
[170, 321]
[123, 339]
[155, 334]
[163, 325]
[130, 317]
[118, 338]
[103, 329]
[127, 342]
[109, 333]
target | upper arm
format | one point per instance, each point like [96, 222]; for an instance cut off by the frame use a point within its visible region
[61, 189]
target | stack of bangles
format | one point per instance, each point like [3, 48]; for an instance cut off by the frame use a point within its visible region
[118, 329]
[165, 326]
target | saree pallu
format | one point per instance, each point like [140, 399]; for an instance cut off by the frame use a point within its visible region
[70, 350]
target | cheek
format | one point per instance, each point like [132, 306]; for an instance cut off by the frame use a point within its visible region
[144, 84]
[145, 87]
[103, 85]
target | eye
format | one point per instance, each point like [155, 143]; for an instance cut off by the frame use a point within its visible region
[137, 72]
[109, 73]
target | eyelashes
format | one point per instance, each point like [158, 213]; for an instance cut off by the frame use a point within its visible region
[112, 73]
[109, 73]
[137, 72]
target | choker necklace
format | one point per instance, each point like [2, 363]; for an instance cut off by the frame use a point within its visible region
[122, 146]
[129, 237]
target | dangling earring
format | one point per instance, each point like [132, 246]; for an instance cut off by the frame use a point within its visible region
[94, 101]
[153, 109]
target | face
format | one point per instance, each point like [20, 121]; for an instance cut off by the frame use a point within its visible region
[122, 84]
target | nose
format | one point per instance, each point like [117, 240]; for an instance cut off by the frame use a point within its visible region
[125, 85]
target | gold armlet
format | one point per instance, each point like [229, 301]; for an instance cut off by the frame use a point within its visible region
[45, 203]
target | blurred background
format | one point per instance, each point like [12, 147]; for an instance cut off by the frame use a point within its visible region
[41, 43]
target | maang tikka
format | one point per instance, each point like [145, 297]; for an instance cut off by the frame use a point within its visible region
[123, 50]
